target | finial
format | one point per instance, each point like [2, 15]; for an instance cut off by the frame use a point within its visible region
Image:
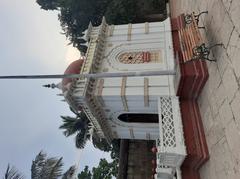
[47, 86]
[50, 86]
[59, 86]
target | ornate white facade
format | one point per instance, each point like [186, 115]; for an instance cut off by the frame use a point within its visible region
[143, 107]
[115, 105]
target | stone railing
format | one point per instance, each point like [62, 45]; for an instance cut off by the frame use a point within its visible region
[80, 95]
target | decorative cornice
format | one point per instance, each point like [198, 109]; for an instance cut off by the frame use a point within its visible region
[81, 94]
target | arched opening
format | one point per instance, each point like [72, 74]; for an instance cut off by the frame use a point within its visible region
[138, 118]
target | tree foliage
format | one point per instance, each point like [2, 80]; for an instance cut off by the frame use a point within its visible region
[104, 170]
[85, 174]
[70, 173]
[79, 125]
[121, 11]
[43, 167]
[115, 149]
[82, 128]
[12, 173]
[100, 143]
[75, 15]
[49, 4]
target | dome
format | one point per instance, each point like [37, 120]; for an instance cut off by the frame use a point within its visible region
[73, 68]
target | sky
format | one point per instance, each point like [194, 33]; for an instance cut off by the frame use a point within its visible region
[31, 43]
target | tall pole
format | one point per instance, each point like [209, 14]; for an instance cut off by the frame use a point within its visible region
[94, 75]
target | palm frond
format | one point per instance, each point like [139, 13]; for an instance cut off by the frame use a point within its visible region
[100, 143]
[12, 173]
[71, 125]
[81, 139]
[80, 125]
[70, 173]
[90, 129]
[46, 168]
[37, 165]
[56, 169]
[71, 109]
[52, 169]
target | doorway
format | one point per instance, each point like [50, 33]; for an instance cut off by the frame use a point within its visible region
[138, 118]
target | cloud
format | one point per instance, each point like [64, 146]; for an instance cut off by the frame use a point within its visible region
[31, 44]
[31, 36]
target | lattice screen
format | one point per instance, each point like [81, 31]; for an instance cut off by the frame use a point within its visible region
[169, 139]
[171, 147]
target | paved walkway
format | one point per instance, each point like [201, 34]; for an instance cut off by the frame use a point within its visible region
[220, 100]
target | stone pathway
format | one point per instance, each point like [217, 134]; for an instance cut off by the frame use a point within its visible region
[220, 99]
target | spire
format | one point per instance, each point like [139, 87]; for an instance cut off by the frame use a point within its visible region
[59, 85]
[47, 86]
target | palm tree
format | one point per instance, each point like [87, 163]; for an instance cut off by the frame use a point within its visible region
[49, 4]
[82, 127]
[43, 167]
[79, 125]
[12, 173]
[70, 173]
[100, 143]
[46, 168]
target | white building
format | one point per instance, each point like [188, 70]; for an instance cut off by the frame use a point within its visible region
[129, 107]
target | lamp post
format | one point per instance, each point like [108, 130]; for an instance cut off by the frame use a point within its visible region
[94, 75]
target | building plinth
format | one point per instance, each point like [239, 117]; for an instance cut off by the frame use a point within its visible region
[194, 75]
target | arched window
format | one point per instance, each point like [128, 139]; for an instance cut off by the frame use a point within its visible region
[138, 118]
[140, 57]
